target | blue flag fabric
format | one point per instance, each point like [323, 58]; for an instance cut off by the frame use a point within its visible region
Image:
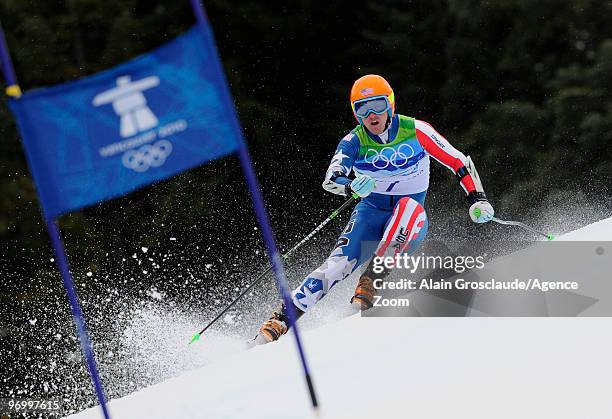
[106, 135]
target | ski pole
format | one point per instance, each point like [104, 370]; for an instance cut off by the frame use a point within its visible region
[285, 256]
[525, 226]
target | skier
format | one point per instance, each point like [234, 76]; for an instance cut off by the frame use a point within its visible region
[389, 155]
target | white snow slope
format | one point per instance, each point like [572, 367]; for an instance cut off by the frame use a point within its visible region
[404, 368]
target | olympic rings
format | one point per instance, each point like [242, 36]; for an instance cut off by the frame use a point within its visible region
[389, 156]
[147, 156]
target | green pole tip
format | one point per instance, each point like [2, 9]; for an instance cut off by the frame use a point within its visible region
[550, 237]
[355, 196]
[195, 338]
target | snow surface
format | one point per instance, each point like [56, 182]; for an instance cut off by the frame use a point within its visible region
[599, 231]
[403, 367]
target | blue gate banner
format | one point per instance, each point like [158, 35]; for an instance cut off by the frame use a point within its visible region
[106, 135]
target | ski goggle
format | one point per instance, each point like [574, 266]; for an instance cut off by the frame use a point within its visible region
[377, 105]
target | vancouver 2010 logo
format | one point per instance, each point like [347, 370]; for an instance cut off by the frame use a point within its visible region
[144, 143]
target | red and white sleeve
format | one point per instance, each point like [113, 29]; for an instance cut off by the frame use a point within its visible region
[440, 149]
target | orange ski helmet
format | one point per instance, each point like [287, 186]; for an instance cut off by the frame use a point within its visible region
[372, 86]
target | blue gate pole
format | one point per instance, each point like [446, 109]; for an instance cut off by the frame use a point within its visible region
[77, 314]
[60, 253]
[277, 263]
[12, 87]
[260, 211]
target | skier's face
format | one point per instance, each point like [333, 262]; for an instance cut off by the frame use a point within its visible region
[376, 123]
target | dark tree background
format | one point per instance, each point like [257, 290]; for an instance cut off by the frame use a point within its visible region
[522, 86]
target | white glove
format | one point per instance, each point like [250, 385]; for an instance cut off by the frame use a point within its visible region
[363, 185]
[481, 212]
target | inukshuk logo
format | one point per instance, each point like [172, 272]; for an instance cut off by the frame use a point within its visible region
[138, 124]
